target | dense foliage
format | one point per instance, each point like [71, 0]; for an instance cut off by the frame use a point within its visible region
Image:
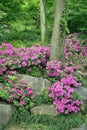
[20, 25]
[77, 16]
[36, 58]
[20, 20]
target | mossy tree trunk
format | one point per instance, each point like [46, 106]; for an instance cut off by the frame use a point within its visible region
[43, 20]
[58, 36]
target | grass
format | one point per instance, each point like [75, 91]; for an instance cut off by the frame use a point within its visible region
[44, 122]
[24, 126]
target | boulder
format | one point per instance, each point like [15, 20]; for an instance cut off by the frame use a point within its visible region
[82, 92]
[37, 84]
[6, 111]
[44, 110]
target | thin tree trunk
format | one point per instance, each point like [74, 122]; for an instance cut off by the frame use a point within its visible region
[43, 20]
[58, 36]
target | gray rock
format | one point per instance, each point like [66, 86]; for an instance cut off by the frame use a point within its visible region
[82, 127]
[6, 112]
[82, 92]
[37, 84]
[44, 110]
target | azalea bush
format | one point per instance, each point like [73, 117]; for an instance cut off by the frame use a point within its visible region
[75, 49]
[19, 92]
[58, 69]
[63, 89]
[62, 94]
[35, 61]
[25, 59]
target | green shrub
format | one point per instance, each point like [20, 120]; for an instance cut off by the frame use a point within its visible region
[3, 95]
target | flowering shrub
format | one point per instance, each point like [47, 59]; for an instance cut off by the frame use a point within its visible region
[36, 58]
[54, 68]
[25, 59]
[62, 94]
[11, 58]
[62, 90]
[74, 50]
[58, 69]
[20, 93]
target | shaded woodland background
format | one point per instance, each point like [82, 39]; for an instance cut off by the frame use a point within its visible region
[20, 21]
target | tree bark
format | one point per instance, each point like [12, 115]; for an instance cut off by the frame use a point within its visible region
[58, 36]
[42, 20]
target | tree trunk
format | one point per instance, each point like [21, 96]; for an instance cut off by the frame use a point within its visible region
[58, 36]
[42, 20]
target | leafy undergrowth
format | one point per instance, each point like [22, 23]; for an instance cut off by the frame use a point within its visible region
[17, 43]
[44, 122]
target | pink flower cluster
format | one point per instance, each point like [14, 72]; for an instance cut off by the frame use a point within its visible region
[74, 50]
[62, 94]
[62, 90]
[56, 68]
[11, 58]
[19, 91]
